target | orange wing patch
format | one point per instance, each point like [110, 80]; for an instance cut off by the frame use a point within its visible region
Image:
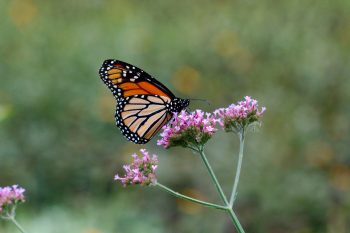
[114, 71]
[141, 88]
[136, 92]
[115, 75]
[151, 89]
[129, 86]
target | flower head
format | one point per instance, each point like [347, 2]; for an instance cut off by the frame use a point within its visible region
[238, 116]
[140, 171]
[188, 129]
[10, 196]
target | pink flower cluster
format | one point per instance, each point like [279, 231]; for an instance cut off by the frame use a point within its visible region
[140, 171]
[237, 116]
[188, 128]
[10, 196]
[196, 128]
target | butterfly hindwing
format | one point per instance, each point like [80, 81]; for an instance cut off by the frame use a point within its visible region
[140, 117]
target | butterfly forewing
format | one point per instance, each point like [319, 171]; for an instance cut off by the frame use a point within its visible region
[127, 80]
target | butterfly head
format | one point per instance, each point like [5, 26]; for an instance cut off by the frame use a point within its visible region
[177, 104]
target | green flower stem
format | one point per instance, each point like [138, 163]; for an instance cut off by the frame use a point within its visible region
[212, 174]
[221, 193]
[12, 219]
[235, 220]
[176, 194]
[238, 169]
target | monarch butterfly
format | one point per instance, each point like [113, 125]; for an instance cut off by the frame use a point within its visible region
[144, 105]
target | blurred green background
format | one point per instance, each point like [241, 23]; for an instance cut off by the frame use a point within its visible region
[57, 133]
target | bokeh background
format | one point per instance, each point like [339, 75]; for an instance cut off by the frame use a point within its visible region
[57, 133]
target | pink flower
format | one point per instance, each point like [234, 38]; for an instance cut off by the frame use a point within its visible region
[188, 129]
[237, 116]
[10, 196]
[141, 171]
